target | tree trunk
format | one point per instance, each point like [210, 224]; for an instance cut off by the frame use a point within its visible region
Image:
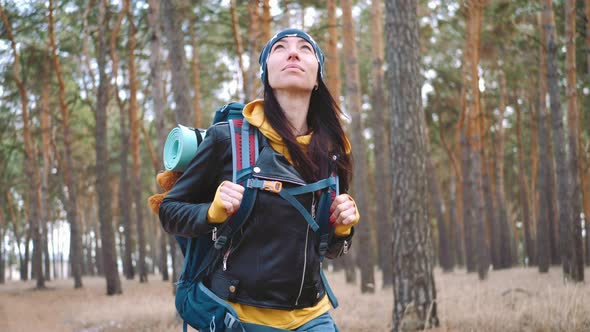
[454, 201]
[585, 169]
[445, 256]
[474, 135]
[465, 189]
[255, 35]
[543, 218]
[490, 204]
[563, 175]
[124, 184]
[587, 7]
[68, 170]
[415, 305]
[504, 240]
[573, 118]
[524, 201]
[3, 228]
[332, 57]
[467, 205]
[455, 225]
[381, 150]
[545, 244]
[239, 50]
[353, 82]
[177, 57]
[45, 121]
[266, 21]
[103, 190]
[157, 94]
[195, 69]
[550, 182]
[34, 183]
[16, 229]
[136, 177]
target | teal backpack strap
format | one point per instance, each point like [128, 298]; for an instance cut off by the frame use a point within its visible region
[243, 143]
[326, 228]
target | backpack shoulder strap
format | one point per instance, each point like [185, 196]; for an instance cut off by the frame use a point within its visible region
[244, 145]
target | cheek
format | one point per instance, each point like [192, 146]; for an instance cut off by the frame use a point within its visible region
[272, 68]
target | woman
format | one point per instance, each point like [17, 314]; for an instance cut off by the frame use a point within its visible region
[271, 273]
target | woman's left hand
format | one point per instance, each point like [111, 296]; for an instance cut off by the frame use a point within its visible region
[343, 211]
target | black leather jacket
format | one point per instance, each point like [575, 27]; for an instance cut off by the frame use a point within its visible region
[273, 261]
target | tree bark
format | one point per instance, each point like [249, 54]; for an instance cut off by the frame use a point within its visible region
[266, 20]
[474, 135]
[445, 256]
[381, 149]
[454, 201]
[490, 204]
[585, 169]
[136, 177]
[103, 190]
[504, 240]
[523, 193]
[332, 57]
[180, 81]
[576, 242]
[45, 121]
[239, 49]
[255, 37]
[465, 188]
[563, 175]
[549, 161]
[157, 94]
[587, 9]
[196, 73]
[2, 250]
[353, 82]
[124, 184]
[68, 170]
[34, 183]
[415, 305]
[543, 251]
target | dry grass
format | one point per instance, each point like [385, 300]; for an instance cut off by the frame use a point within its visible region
[512, 300]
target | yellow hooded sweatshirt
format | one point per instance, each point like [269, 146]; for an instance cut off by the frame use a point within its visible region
[254, 114]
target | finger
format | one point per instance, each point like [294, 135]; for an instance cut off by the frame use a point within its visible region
[342, 207]
[228, 201]
[346, 217]
[232, 186]
[340, 199]
[350, 219]
[231, 193]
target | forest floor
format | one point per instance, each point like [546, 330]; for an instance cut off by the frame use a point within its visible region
[511, 300]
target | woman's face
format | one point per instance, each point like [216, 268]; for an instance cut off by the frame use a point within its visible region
[292, 65]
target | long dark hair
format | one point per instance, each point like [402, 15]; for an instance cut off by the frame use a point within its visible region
[328, 137]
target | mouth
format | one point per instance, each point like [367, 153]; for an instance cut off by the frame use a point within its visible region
[293, 66]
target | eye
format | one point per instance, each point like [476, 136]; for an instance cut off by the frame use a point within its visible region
[306, 47]
[278, 46]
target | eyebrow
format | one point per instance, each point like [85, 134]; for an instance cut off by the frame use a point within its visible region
[301, 40]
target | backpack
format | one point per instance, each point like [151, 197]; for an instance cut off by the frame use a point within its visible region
[198, 306]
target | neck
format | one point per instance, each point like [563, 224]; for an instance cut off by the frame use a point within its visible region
[295, 104]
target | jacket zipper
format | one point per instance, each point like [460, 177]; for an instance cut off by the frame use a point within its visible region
[305, 250]
[304, 266]
[226, 255]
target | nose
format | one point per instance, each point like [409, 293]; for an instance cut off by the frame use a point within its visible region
[293, 52]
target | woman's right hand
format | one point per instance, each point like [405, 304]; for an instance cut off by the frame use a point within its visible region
[230, 195]
[228, 198]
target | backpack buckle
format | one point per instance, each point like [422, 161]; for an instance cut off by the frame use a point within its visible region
[272, 186]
